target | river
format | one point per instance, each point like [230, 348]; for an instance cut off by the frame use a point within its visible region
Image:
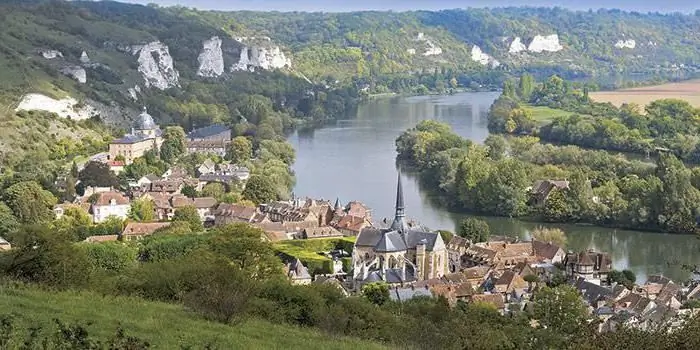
[354, 159]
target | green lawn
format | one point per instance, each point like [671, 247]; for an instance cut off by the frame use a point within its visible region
[164, 326]
[543, 114]
[307, 250]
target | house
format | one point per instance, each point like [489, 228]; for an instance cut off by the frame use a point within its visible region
[101, 239]
[590, 265]
[548, 252]
[542, 189]
[495, 300]
[297, 273]
[501, 255]
[206, 168]
[594, 294]
[453, 292]
[230, 213]
[145, 136]
[146, 180]
[276, 231]
[477, 275]
[137, 230]
[205, 207]
[4, 244]
[110, 204]
[214, 132]
[208, 147]
[510, 284]
[319, 232]
[116, 166]
[175, 173]
[662, 290]
[398, 254]
[456, 248]
[167, 186]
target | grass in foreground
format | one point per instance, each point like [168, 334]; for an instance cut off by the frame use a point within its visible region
[164, 326]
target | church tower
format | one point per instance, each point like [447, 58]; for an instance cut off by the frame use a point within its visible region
[399, 223]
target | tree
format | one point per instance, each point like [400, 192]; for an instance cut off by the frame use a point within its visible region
[143, 210]
[174, 144]
[97, 174]
[260, 189]
[497, 146]
[75, 221]
[29, 202]
[214, 189]
[8, 221]
[526, 86]
[190, 215]
[189, 191]
[376, 292]
[552, 235]
[242, 245]
[474, 230]
[625, 277]
[239, 150]
[560, 308]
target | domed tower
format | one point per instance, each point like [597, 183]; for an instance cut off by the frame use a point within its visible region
[145, 125]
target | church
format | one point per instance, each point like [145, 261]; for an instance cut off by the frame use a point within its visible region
[145, 135]
[399, 254]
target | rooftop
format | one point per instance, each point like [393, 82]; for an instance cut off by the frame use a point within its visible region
[208, 131]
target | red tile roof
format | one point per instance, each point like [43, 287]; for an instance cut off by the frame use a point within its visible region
[143, 228]
[107, 197]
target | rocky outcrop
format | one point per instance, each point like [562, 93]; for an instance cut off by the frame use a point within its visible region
[65, 108]
[549, 43]
[84, 59]
[483, 58]
[134, 92]
[211, 59]
[517, 46]
[75, 72]
[255, 57]
[156, 65]
[626, 44]
[51, 54]
[431, 49]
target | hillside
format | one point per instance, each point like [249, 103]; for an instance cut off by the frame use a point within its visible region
[164, 326]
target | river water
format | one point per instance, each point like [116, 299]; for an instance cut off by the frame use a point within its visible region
[354, 159]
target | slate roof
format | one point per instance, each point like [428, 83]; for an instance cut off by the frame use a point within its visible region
[208, 131]
[386, 240]
[407, 293]
[592, 292]
[390, 242]
[297, 271]
[236, 211]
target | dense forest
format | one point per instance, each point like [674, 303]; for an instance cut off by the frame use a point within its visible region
[604, 189]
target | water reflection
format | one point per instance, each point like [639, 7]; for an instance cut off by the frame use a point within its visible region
[354, 159]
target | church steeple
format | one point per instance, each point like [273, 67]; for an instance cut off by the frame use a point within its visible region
[337, 204]
[399, 223]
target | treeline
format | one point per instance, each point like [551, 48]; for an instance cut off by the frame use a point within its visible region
[604, 189]
[667, 124]
[229, 275]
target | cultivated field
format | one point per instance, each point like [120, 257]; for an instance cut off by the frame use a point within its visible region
[687, 90]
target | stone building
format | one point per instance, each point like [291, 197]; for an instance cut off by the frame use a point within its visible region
[589, 265]
[144, 136]
[211, 139]
[398, 254]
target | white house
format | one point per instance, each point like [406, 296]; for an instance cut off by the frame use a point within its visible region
[110, 204]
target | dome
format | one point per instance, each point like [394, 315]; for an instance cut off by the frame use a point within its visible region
[144, 121]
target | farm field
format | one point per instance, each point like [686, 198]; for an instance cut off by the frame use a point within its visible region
[686, 90]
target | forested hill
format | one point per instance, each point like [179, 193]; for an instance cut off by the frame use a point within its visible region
[191, 67]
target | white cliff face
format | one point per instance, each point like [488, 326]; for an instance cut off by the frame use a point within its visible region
[76, 72]
[134, 92]
[483, 58]
[211, 59]
[431, 49]
[261, 57]
[626, 44]
[156, 65]
[65, 108]
[549, 43]
[84, 58]
[51, 54]
[517, 46]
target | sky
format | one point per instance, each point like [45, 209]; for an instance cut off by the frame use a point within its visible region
[403, 5]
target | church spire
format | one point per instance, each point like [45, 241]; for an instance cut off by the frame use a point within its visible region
[399, 223]
[337, 204]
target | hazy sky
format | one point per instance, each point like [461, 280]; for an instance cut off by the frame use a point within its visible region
[399, 5]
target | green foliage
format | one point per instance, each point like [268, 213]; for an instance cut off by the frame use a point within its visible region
[239, 150]
[113, 257]
[29, 202]
[174, 144]
[474, 230]
[143, 210]
[8, 221]
[624, 277]
[560, 309]
[376, 292]
[312, 252]
[214, 189]
[552, 235]
[163, 245]
[97, 174]
[190, 215]
[260, 189]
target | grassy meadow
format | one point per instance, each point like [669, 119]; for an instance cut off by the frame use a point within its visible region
[164, 326]
[544, 115]
[686, 90]
[307, 250]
